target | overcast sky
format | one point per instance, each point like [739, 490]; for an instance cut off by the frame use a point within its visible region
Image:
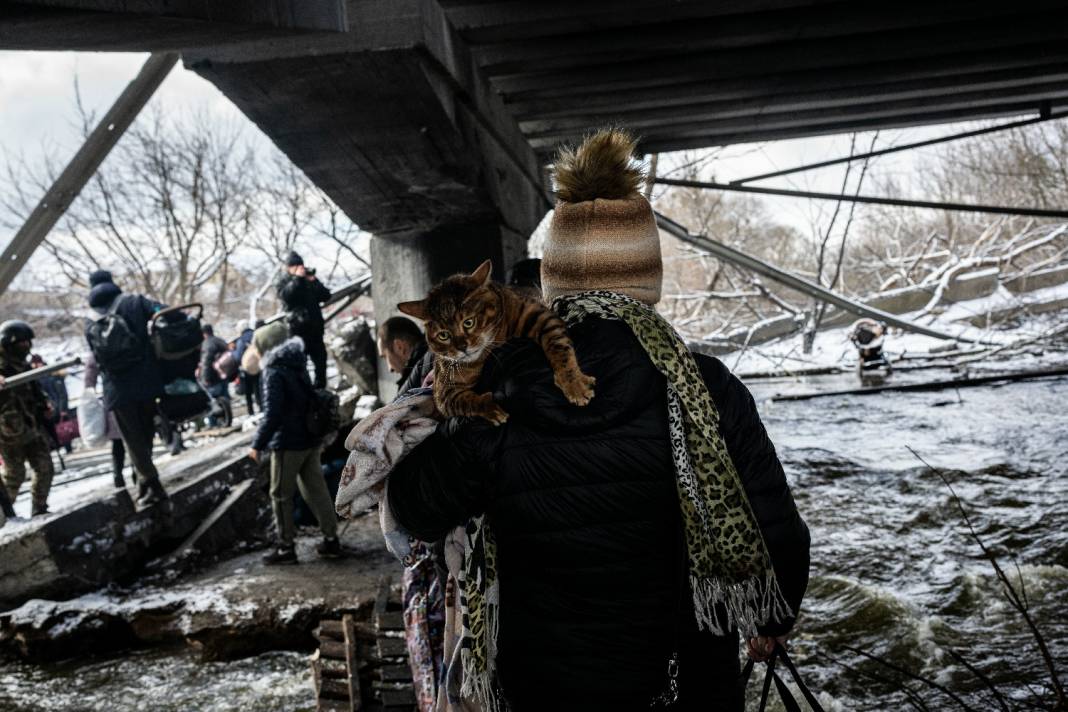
[37, 114]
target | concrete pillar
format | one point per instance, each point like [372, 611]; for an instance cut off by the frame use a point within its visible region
[406, 267]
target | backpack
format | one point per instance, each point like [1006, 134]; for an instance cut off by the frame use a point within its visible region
[114, 344]
[324, 415]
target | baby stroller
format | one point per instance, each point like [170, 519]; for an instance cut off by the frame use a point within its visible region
[175, 335]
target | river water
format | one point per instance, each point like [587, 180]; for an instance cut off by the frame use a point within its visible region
[894, 571]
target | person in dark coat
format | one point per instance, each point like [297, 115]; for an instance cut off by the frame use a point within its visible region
[131, 392]
[55, 389]
[211, 349]
[591, 541]
[295, 451]
[302, 295]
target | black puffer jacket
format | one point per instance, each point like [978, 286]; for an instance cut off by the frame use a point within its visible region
[584, 507]
[286, 400]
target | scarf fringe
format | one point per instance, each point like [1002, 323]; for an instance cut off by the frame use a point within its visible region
[721, 607]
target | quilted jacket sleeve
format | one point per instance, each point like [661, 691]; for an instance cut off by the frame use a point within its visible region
[764, 480]
[444, 481]
[274, 394]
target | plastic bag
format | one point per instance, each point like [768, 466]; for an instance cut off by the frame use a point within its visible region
[92, 420]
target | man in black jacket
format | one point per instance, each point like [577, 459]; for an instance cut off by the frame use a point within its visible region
[584, 503]
[131, 388]
[295, 452]
[210, 350]
[402, 345]
[302, 295]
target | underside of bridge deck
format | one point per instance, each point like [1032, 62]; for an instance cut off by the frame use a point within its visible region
[433, 119]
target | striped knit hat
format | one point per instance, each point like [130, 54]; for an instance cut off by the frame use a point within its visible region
[603, 234]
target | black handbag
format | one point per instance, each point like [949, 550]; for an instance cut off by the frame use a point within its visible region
[788, 701]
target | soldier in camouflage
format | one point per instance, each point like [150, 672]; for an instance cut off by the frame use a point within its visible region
[23, 411]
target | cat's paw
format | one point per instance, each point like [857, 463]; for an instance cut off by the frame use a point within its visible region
[496, 415]
[578, 389]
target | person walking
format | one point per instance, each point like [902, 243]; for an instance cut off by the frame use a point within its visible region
[91, 375]
[132, 379]
[302, 295]
[295, 451]
[211, 348]
[250, 383]
[24, 413]
[614, 551]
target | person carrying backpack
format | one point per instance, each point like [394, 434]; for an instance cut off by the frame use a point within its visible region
[249, 383]
[292, 430]
[132, 378]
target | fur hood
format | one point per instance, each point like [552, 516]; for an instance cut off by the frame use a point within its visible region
[288, 354]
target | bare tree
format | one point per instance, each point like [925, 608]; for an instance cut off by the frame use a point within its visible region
[167, 209]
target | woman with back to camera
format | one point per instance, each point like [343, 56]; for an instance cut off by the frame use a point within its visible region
[616, 550]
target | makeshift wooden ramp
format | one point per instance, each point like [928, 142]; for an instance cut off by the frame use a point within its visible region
[363, 666]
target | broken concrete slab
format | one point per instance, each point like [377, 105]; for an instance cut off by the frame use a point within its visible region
[235, 608]
[107, 539]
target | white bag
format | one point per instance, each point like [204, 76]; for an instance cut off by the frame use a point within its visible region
[92, 420]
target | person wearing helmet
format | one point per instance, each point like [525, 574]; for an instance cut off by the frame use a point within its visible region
[24, 410]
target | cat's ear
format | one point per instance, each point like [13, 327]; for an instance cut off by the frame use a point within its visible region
[416, 309]
[481, 276]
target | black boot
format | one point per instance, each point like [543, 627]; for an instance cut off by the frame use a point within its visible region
[330, 548]
[153, 493]
[281, 555]
[39, 508]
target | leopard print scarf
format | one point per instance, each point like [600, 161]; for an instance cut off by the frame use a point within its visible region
[731, 576]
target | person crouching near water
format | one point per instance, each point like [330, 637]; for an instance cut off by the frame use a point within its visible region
[614, 551]
[295, 451]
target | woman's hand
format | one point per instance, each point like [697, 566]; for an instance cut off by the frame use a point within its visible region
[254, 455]
[761, 647]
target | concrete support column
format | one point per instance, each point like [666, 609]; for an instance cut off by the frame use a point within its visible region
[406, 267]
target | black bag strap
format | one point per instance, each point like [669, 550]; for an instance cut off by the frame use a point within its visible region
[807, 693]
[789, 703]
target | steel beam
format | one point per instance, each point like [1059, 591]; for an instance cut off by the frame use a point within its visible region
[83, 165]
[1044, 116]
[788, 279]
[662, 142]
[869, 199]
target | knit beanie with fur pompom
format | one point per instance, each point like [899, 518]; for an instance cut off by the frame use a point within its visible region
[603, 234]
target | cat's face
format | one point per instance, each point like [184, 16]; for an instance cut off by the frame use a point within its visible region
[461, 316]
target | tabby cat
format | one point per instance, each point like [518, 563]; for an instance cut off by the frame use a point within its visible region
[466, 316]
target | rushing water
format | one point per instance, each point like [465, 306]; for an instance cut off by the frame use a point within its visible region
[160, 681]
[894, 571]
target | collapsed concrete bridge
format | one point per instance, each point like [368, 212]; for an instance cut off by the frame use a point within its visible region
[430, 122]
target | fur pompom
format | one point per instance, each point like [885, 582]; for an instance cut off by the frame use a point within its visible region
[602, 167]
